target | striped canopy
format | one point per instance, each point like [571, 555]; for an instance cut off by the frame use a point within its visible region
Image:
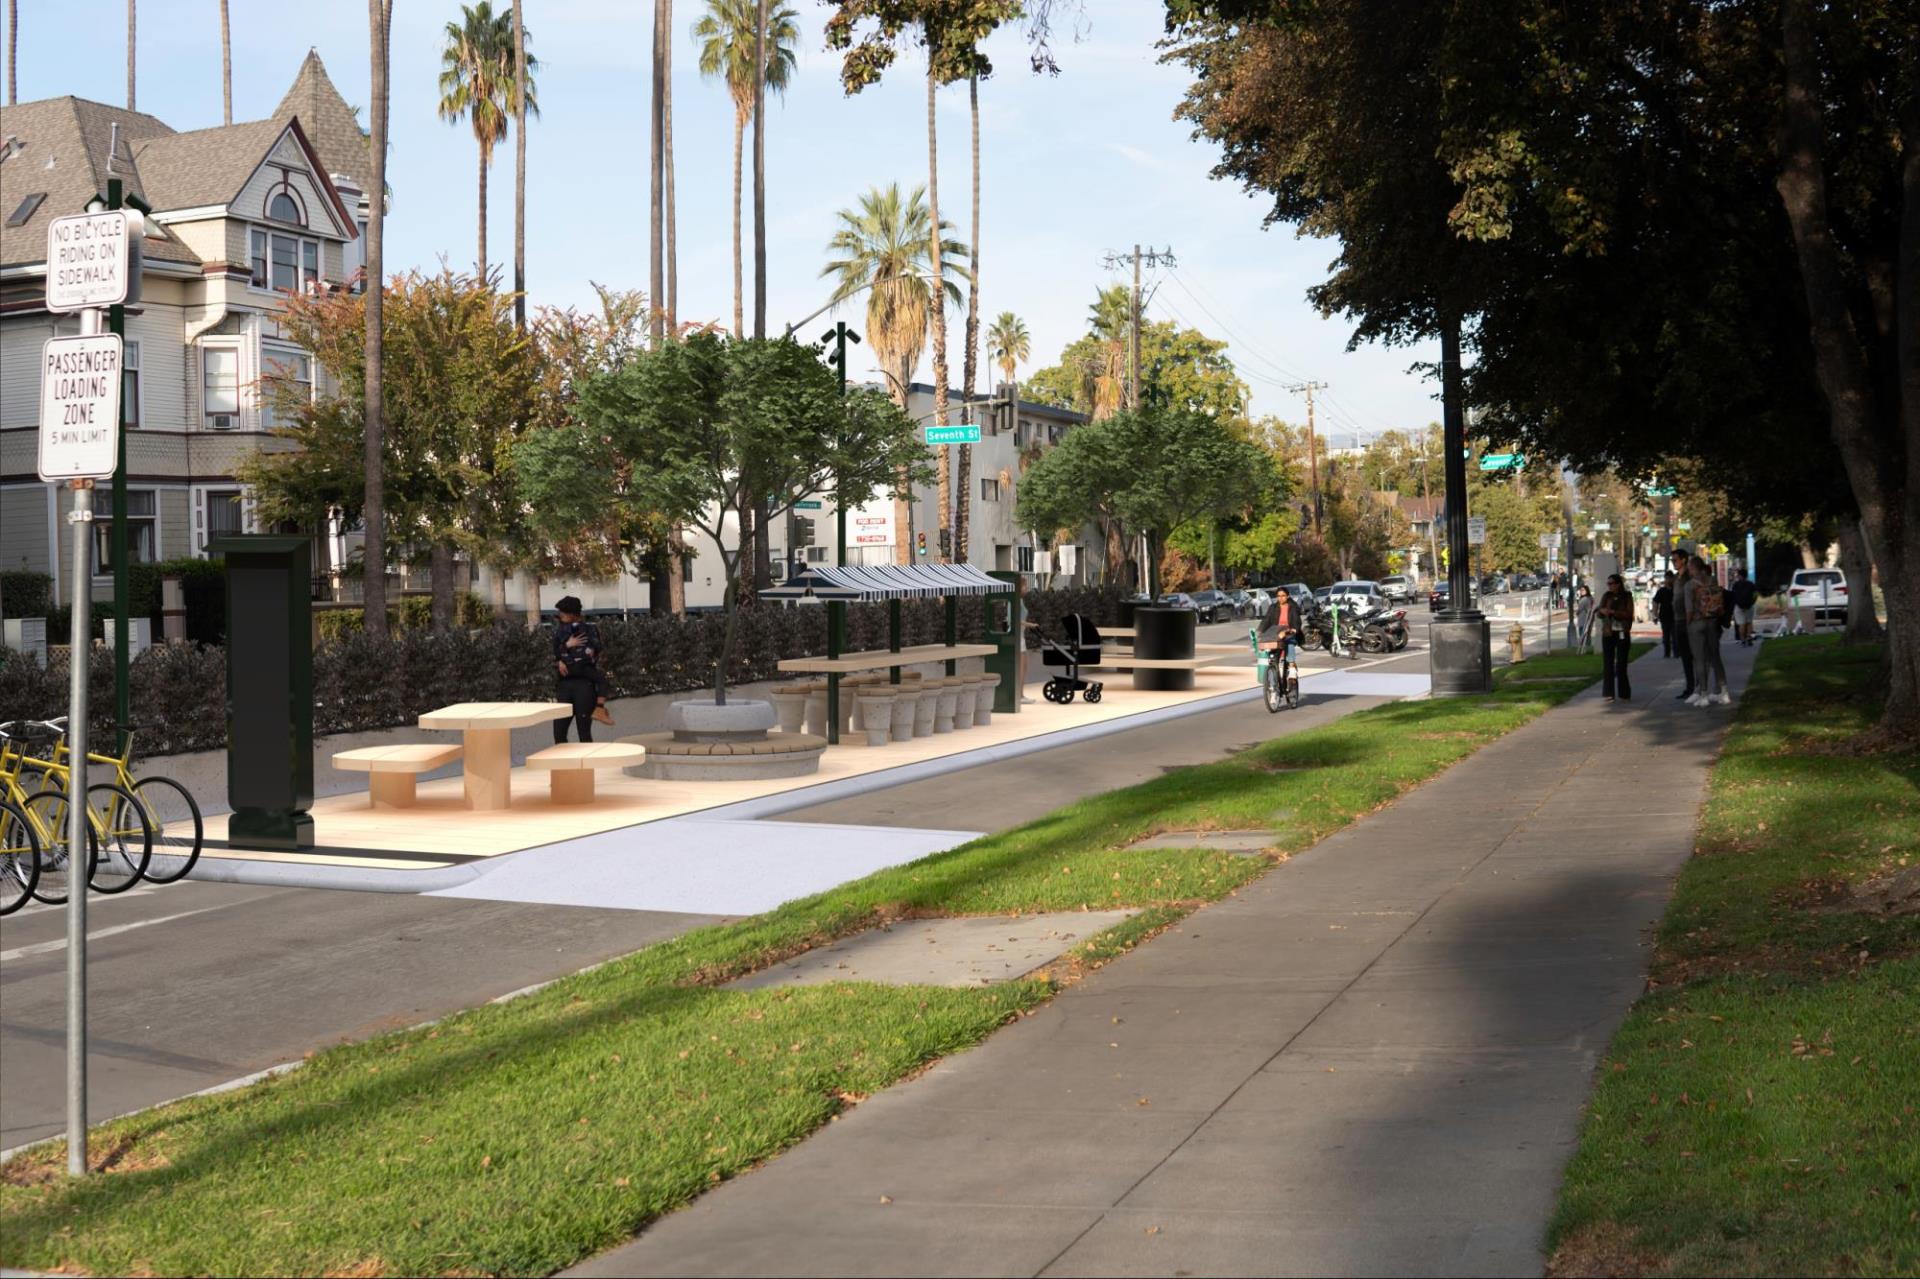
[886, 582]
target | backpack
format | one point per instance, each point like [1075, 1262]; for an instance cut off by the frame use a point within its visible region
[1711, 600]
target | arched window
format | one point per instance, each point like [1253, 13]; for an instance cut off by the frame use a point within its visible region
[282, 207]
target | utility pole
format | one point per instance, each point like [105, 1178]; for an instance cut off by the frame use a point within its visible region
[1152, 257]
[1313, 455]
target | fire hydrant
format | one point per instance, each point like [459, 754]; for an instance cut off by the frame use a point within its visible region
[1516, 640]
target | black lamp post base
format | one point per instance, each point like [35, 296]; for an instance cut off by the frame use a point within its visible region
[1460, 655]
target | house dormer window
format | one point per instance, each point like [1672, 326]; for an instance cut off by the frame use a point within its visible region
[282, 263]
[284, 206]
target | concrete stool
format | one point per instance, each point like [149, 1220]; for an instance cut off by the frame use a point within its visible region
[964, 692]
[790, 703]
[943, 715]
[876, 712]
[983, 702]
[906, 703]
[923, 710]
[817, 709]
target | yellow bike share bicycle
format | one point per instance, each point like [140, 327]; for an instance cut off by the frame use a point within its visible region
[119, 831]
[169, 806]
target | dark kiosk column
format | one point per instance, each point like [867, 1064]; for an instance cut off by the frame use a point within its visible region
[269, 690]
[1163, 632]
[1461, 656]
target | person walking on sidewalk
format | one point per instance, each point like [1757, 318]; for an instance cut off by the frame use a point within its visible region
[1744, 595]
[582, 683]
[1663, 614]
[1682, 605]
[1583, 618]
[1615, 614]
[1706, 604]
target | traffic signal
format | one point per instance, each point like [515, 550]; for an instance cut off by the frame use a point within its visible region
[920, 543]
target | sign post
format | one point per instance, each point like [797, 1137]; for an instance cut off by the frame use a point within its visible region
[92, 262]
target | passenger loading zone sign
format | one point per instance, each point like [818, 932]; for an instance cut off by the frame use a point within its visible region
[80, 407]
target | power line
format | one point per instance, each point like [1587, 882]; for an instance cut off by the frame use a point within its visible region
[1228, 329]
[1155, 258]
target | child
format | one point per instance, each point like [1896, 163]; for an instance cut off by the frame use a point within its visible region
[576, 654]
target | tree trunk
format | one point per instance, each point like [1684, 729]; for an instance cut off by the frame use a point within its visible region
[677, 578]
[730, 600]
[963, 509]
[440, 578]
[1863, 624]
[760, 171]
[497, 591]
[374, 557]
[1808, 557]
[480, 256]
[763, 547]
[672, 235]
[131, 44]
[743, 589]
[13, 52]
[903, 487]
[739, 277]
[657, 172]
[533, 599]
[519, 167]
[939, 302]
[1873, 437]
[226, 66]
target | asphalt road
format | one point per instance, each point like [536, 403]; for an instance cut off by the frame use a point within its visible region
[192, 985]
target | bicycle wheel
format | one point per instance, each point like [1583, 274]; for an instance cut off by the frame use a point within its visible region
[176, 828]
[1273, 689]
[19, 858]
[48, 812]
[125, 838]
[1293, 689]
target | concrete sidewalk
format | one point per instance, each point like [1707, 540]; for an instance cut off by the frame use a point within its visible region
[1371, 1061]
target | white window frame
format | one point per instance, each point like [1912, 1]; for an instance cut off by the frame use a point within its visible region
[130, 363]
[238, 348]
[303, 280]
[273, 353]
[103, 524]
[201, 533]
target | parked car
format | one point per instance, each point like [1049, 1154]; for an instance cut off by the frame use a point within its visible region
[1357, 593]
[1320, 594]
[1259, 600]
[1442, 594]
[1821, 591]
[1215, 606]
[1493, 584]
[1176, 599]
[1398, 587]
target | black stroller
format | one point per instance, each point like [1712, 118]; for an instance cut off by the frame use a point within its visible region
[1078, 646]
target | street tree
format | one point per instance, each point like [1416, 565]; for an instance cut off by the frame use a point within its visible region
[479, 83]
[709, 418]
[1149, 471]
[1179, 367]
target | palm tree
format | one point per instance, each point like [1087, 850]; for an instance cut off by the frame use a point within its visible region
[226, 66]
[884, 250]
[130, 48]
[13, 51]
[519, 165]
[1009, 343]
[961, 517]
[374, 557]
[477, 83]
[939, 313]
[726, 33]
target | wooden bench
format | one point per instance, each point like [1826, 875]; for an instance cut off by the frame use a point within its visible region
[570, 766]
[392, 770]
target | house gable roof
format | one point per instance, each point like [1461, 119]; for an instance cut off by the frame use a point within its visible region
[212, 166]
[329, 122]
[59, 146]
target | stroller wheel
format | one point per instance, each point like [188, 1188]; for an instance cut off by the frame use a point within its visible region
[1053, 689]
[1093, 692]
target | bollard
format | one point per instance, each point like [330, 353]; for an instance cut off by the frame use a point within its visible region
[1517, 639]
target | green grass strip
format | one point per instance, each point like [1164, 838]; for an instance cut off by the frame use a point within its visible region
[1759, 1111]
[518, 1138]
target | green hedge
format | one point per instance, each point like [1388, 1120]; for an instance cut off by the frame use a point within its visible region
[413, 612]
[360, 683]
[25, 594]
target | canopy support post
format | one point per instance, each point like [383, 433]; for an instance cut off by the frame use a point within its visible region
[893, 635]
[953, 628]
[836, 638]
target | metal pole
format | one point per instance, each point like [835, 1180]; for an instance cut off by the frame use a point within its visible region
[840, 506]
[1454, 460]
[78, 862]
[122, 694]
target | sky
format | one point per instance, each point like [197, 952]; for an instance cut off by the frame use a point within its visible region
[1074, 167]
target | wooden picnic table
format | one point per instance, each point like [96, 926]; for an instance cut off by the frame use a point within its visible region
[488, 729]
[884, 659]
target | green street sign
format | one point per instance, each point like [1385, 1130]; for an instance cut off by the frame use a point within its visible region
[953, 435]
[1685, 526]
[1662, 492]
[1502, 461]
[806, 506]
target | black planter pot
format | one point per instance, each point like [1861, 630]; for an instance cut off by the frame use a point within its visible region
[1163, 633]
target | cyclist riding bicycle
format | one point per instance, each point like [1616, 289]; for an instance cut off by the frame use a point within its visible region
[1282, 624]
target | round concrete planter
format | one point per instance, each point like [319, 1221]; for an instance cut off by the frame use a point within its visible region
[817, 709]
[784, 755]
[923, 710]
[706, 722]
[963, 699]
[943, 709]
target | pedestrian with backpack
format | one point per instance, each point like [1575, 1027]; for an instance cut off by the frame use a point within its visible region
[1706, 606]
[1743, 595]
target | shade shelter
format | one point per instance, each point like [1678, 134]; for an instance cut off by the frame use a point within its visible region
[836, 586]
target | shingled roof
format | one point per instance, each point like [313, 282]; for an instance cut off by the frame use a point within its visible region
[328, 122]
[207, 166]
[58, 146]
